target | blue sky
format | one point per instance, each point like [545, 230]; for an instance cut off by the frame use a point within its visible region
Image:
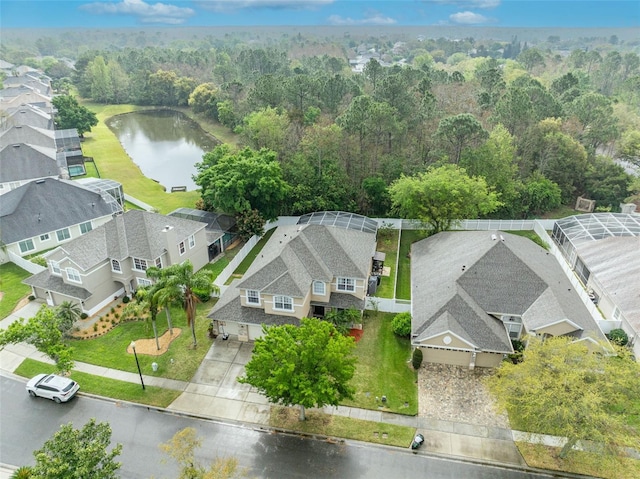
[502, 13]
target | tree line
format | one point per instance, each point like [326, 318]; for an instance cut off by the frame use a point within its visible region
[540, 129]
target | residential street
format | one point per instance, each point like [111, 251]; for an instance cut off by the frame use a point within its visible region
[27, 423]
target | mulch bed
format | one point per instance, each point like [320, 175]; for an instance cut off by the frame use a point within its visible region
[356, 333]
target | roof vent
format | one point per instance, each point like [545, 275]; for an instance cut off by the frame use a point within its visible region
[494, 237]
[39, 182]
[501, 238]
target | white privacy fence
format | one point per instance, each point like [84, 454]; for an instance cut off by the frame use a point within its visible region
[25, 263]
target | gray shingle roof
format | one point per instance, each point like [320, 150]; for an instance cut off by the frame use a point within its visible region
[29, 115]
[228, 308]
[514, 276]
[25, 162]
[29, 135]
[296, 255]
[50, 282]
[45, 206]
[135, 234]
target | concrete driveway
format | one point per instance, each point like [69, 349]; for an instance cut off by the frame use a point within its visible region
[215, 391]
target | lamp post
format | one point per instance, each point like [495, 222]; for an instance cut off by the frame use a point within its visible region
[133, 346]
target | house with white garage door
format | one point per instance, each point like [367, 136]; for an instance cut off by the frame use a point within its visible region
[304, 270]
[475, 291]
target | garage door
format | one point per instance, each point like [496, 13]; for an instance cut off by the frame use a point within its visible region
[447, 356]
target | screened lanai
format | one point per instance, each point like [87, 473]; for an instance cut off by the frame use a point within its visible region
[341, 219]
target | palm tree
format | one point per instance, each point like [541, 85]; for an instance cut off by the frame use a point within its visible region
[179, 284]
[147, 298]
[68, 313]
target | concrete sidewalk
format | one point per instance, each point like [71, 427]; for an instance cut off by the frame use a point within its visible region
[215, 393]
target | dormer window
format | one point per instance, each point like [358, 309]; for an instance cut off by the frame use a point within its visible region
[73, 275]
[55, 268]
[319, 288]
[253, 296]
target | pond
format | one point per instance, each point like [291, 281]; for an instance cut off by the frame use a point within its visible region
[165, 144]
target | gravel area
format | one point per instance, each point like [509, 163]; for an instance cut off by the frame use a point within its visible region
[454, 393]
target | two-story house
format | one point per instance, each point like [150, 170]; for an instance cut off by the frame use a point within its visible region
[112, 259]
[302, 271]
[43, 214]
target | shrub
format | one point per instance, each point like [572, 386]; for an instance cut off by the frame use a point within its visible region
[416, 358]
[95, 327]
[116, 315]
[113, 321]
[23, 472]
[119, 305]
[401, 324]
[104, 326]
[618, 336]
[84, 316]
[125, 299]
[31, 297]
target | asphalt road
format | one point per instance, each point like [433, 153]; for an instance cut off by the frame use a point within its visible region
[26, 423]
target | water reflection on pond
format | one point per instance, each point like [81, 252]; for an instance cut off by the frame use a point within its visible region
[165, 144]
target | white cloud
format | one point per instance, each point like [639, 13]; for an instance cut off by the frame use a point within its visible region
[472, 3]
[234, 5]
[369, 19]
[468, 18]
[146, 12]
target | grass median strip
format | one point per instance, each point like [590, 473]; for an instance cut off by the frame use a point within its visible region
[339, 426]
[101, 386]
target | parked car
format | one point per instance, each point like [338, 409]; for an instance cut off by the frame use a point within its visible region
[52, 386]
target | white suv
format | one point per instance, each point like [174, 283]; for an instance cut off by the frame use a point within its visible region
[52, 386]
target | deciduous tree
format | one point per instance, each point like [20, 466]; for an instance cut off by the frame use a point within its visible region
[78, 454]
[442, 196]
[308, 365]
[565, 389]
[70, 114]
[45, 332]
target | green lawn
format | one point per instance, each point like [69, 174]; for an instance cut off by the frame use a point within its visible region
[110, 350]
[388, 244]
[532, 235]
[101, 386]
[407, 238]
[338, 426]
[13, 290]
[114, 163]
[383, 370]
[246, 262]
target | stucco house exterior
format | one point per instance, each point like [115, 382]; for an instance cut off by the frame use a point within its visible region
[46, 213]
[475, 291]
[112, 259]
[303, 270]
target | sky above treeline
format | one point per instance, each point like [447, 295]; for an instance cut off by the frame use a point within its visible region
[497, 13]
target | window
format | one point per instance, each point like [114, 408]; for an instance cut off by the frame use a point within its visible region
[192, 241]
[253, 296]
[85, 227]
[616, 313]
[283, 303]
[115, 266]
[73, 275]
[26, 245]
[63, 234]
[55, 268]
[181, 247]
[44, 237]
[158, 262]
[346, 284]
[319, 288]
[513, 325]
[139, 264]
[144, 282]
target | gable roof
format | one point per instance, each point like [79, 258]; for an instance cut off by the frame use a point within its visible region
[296, 255]
[29, 135]
[136, 234]
[28, 115]
[48, 205]
[507, 275]
[26, 162]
